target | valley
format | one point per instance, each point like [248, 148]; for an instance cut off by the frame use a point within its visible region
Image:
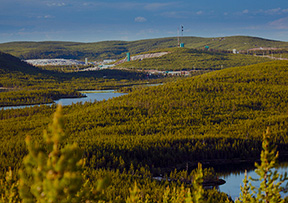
[218, 113]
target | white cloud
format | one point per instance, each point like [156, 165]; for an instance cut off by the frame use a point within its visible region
[60, 4]
[281, 23]
[140, 19]
[46, 17]
[156, 6]
[245, 11]
[199, 12]
[273, 11]
[88, 4]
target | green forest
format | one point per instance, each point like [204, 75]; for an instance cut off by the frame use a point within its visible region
[216, 117]
[22, 84]
[18, 74]
[192, 59]
[118, 49]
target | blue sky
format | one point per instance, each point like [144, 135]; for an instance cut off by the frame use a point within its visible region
[92, 21]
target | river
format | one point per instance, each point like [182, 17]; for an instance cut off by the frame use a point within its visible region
[91, 96]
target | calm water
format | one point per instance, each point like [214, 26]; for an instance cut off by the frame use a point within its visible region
[234, 179]
[91, 96]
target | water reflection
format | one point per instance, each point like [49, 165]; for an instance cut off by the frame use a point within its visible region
[91, 96]
[235, 178]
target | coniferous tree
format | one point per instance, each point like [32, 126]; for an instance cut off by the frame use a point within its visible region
[271, 181]
[55, 175]
[9, 187]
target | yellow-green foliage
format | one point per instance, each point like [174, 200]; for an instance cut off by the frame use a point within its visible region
[15, 73]
[216, 116]
[55, 175]
[118, 49]
[192, 59]
[219, 115]
[271, 181]
[25, 97]
[9, 188]
[176, 195]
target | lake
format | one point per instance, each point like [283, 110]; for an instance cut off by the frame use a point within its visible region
[235, 178]
[91, 96]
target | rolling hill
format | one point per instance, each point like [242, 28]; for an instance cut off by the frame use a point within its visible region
[220, 115]
[10, 64]
[179, 59]
[22, 84]
[118, 49]
[16, 73]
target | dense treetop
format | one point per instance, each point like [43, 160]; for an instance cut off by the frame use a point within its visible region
[216, 117]
[219, 115]
[118, 49]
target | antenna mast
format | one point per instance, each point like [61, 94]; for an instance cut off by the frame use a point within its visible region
[182, 29]
[178, 36]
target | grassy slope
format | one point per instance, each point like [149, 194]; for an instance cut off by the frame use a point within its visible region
[234, 42]
[118, 49]
[189, 59]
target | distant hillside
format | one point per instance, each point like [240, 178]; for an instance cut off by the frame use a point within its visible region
[118, 49]
[233, 42]
[15, 73]
[11, 64]
[192, 59]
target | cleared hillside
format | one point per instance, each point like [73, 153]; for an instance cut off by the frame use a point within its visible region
[118, 49]
[192, 59]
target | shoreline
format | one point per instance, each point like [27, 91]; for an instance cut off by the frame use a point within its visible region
[219, 163]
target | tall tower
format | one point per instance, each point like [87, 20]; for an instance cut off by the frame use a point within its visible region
[180, 44]
[128, 57]
[178, 36]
